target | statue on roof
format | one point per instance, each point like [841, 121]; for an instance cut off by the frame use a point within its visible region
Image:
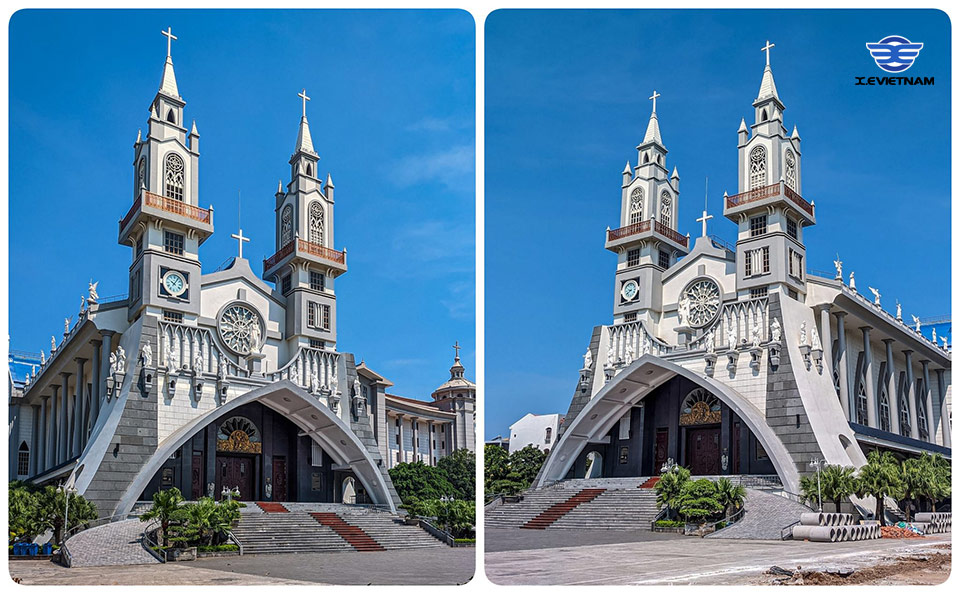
[803, 333]
[92, 290]
[876, 296]
[66, 325]
[899, 312]
[776, 332]
[53, 344]
[839, 266]
[587, 359]
[916, 322]
[853, 283]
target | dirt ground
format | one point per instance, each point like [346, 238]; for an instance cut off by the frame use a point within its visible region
[919, 569]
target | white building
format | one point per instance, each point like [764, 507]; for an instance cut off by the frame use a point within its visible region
[539, 431]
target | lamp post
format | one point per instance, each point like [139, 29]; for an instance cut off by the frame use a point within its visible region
[66, 508]
[818, 464]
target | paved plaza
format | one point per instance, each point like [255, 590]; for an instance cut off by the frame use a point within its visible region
[448, 566]
[535, 558]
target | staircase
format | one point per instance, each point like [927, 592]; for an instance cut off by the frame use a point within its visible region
[556, 511]
[620, 509]
[354, 535]
[389, 532]
[286, 533]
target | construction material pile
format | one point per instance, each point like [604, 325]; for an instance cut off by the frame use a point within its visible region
[825, 527]
[934, 522]
[899, 532]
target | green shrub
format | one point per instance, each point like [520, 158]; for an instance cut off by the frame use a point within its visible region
[698, 500]
[670, 524]
[218, 548]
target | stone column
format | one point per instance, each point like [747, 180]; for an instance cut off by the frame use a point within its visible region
[868, 382]
[846, 394]
[42, 441]
[34, 439]
[51, 447]
[826, 338]
[414, 431]
[105, 350]
[403, 453]
[892, 388]
[63, 422]
[944, 413]
[78, 429]
[95, 382]
[430, 429]
[928, 402]
[912, 397]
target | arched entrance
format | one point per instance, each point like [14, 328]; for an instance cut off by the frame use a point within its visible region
[627, 391]
[594, 466]
[312, 420]
[700, 420]
[238, 457]
[349, 492]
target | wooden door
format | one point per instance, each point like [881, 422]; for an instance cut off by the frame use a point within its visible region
[703, 451]
[660, 449]
[235, 471]
[196, 476]
[279, 478]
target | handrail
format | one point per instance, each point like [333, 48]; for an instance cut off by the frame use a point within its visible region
[660, 515]
[150, 544]
[644, 226]
[734, 517]
[783, 534]
[232, 536]
[764, 192]
[302, 245]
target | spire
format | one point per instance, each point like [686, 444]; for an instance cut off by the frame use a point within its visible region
[304, 142]
[767, 87]
[675, 175]
[456, 370]
[627, 168]
[280, 186]
[193, 129]
[653, 127]
[168, 84]
[795, 133]
[743, 126]
[329, 181]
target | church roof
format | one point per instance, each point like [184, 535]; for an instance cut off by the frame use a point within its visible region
[168, 84]
[768, 88]
[304, 141]
[456, 379]
[653, 130]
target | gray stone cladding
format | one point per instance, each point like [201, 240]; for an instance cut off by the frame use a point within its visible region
[134, 441]
[785, 413]
[580, 396]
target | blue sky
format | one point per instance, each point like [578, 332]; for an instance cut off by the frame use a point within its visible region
[392, 117]
[566, 99]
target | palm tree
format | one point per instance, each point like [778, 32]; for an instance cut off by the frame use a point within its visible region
[729, 495]
[917, 476]
[937, 485]
[838, 483]
[670, 486]
[880, 477]
[809, 490]
[165, 504]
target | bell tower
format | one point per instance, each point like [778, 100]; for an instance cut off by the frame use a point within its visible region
[166, 225]
[769, 209]
[646, 242]
[305, 264]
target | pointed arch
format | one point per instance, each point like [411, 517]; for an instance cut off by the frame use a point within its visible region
[173, 176]
[923, 427]
[636, 206]
[666, 209]
[310, 169]
[790, 166]
[286, 225]
[904, 405]
[763, 115]
[758, 167]
[883, 399]
[171, 116]
[315, 223]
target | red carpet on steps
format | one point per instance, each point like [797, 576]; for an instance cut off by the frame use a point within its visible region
[650, 482]
[354, 535]
[272, 508]
[558, 510]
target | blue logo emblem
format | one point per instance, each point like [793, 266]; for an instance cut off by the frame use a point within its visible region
[894, 53]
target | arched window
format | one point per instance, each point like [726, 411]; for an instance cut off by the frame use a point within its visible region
[549, 434]
[171, 117]
[763, 115]
[316, 223]
[861, 402]
[173, 177]
[666, 209]
[646, 157]
[790, 164]
[884, 410]
[309, 169]
[238, 434]
[904, 407]
[286, 225]
[23, 459]
[636, 206]
[922, 427]
[758, 167]
[141, 176]
[700, 407]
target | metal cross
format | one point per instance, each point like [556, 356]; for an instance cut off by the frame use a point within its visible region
[654, 98]
[766, 48]
[170, 37]
[457, 348]
[240, 239]
[303, 95]
[704, 220]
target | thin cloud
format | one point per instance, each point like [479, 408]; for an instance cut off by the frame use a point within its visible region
[454, 168]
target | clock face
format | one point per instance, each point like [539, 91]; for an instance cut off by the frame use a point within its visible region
[174, 283]
[629, 290]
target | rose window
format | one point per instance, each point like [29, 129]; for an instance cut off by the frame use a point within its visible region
[241, 329]
[703, 297]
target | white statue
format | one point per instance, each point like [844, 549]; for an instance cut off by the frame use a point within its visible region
[776, 333]
[43, 358]
[732, 335]
[815, 340]
[803, 333]
[710, 341]
[314, 382]
[83, 304]
[121, 359]
[198, 363]
[66, 325]
[683, 310]
[839, 266]
[645, 345]
[934, 335]
[899, 312]
[755, 335]
[255, 339]
[113, 363]
[146, 355]
[92, 290]
[356, 387]
[295, 374]
[221, 371]
[587, 359]
[169, 356]
[629, 352]
[876, 296]
[53, 344]
[945, 343]
[610, 353]
[268, 489]
[853, 283]
[916, 321]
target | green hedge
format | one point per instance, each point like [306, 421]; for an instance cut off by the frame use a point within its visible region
[669, 524]
[218, 548]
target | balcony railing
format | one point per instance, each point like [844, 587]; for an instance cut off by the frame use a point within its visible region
[308, 247]
[770, 191]
[643, 227]
[170, 205]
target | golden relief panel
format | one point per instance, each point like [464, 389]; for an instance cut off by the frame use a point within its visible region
[239, 441]
[700, 414]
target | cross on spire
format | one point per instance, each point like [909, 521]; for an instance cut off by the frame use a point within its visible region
[703, 219]
[654, 98]
[170, 37]
[456, 348]
[767, 48]
[303, 95]
[240, 239]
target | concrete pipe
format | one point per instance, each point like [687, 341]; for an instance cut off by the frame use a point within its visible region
[833, 519]
[845, 534]
[802, 532]
[855, 533]
[923, 517]
[812, 519]
[823, 534]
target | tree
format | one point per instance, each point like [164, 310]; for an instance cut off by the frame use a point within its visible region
[809, 489]
[165, 505]
[837, 483]
[729, 496]
[880, 477]
[23, 516]
[457, 517]
[937, 485]
[460, 469]
[916, 476]
[496, 470]
[416, 480]
[669, 488]
[51, 505]
[698, 500]
[526, 463]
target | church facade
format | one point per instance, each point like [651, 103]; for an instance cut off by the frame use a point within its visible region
[212, 381]
[736, 359]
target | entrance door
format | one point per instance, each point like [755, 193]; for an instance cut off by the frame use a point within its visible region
[703, 450]
[196, 476]
[279, 478]
[660, 450]
[235, 471]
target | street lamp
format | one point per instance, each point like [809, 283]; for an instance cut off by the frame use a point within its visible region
[818, 464]
[66, 508]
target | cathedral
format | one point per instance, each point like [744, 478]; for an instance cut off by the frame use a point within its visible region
[211, 381]
[737, 359]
